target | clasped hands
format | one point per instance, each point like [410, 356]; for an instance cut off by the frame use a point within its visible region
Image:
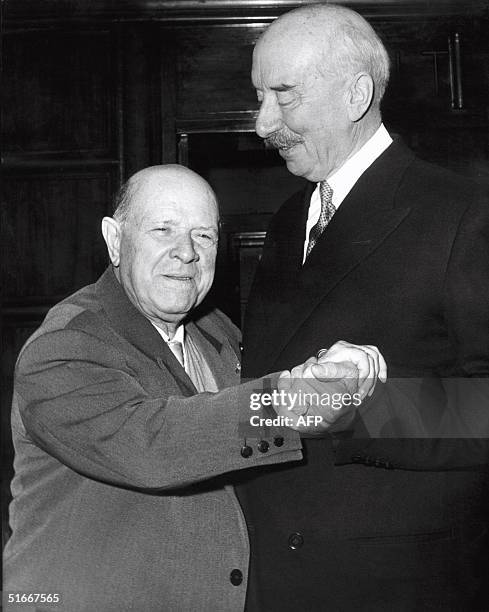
[322, 394]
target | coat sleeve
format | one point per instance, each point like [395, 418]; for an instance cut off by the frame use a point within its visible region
[80, 401]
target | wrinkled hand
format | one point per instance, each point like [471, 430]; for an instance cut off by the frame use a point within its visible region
[319, 397]
[368, 360]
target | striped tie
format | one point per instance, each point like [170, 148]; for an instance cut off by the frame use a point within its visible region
[327, 211]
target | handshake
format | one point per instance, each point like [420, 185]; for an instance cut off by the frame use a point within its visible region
[322, 394]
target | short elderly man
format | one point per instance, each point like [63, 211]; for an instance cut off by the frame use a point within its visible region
[382, 249]
[122, 438]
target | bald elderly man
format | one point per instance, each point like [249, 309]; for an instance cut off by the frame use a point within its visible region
[128, 416]
[381, 248]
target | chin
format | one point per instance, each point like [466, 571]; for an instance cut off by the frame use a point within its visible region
[182, 308]
[296, 169]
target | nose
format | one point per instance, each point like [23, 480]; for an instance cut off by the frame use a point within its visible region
[184, 249]
[269, 118]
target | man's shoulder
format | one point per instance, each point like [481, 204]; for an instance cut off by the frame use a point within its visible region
[214, 322]
[442, 177]
[82, 310]
[294, 208]
[78, 309]
[434, 187]
[299, 197]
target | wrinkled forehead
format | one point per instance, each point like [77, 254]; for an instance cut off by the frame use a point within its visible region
[279, 58]
[186, 201]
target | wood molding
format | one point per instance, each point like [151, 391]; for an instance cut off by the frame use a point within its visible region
[33, 11]
[239, 121]
[17, 162]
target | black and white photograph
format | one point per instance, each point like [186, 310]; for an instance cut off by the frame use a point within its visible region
[245, 305]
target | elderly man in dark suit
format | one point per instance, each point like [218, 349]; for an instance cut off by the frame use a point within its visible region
[128, 414]
[381, 248]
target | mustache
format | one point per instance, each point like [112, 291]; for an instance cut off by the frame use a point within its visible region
[282, 140]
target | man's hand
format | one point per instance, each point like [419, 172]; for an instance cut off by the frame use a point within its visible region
[323, 393]
[368, 360]
[318, 397]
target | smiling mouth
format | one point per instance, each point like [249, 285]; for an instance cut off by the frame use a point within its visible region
[178, 277]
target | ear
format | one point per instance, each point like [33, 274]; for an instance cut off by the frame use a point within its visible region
[360, 96]
[111, 231]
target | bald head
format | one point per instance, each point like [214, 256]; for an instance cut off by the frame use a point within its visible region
[335, 39]
[170, 179]
[162, 242]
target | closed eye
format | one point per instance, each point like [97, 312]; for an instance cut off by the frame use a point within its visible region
[204, 239]
[285, 98]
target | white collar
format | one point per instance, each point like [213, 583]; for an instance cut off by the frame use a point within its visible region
[343, 180]
[179, 335]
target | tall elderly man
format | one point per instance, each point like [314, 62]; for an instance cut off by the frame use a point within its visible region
[382, 249]
[128, 415]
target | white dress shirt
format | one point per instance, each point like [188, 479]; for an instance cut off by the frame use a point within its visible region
[343, 180]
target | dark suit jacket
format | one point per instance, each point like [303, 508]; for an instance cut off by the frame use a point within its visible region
[119, 497]
[403, 265]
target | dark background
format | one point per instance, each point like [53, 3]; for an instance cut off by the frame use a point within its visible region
[95, 90]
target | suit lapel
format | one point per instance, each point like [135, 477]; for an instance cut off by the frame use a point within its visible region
[138, 331]
[356, 231]
[220, 356]
[141, 335]
[284, 251]
[366, 217]
[280, 269]
[295, 226]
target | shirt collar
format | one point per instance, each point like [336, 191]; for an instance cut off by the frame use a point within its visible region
[343, 180]
[179, 335]
[124, 316]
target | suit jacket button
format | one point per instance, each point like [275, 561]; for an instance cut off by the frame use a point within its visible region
[263, 446]
[246, 451]
[278, 441]
[296, 540]
[236, 577]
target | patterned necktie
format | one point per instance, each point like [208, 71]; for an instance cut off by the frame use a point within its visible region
[177, 349]
[327, 211]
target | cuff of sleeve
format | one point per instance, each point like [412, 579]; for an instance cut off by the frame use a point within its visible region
[263, 432]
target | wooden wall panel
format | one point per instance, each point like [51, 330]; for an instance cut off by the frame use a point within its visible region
[214, 65]
[142, 120]
[247, 178]
[58, 93]
[52, 232]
